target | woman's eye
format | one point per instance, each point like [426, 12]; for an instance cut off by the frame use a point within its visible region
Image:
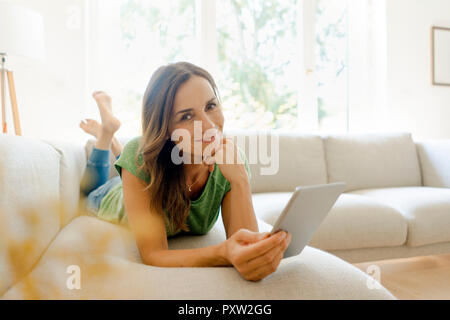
[185, 117]
[211, 104]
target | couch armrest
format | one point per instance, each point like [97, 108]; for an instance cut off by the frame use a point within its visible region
[434, 156]
[29, 175]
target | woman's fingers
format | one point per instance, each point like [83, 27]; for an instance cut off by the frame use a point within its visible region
[221, 151]
[270, 255]
[209, 157]
[273, 262]
[208, 160]
[256, 260]
[261, 247]
[265, 270]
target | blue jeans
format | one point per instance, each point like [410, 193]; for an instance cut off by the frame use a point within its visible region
[95, 184]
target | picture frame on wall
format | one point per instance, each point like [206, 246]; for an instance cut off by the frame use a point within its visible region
[440, 56]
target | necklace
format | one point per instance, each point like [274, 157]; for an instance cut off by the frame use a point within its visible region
[189, 188]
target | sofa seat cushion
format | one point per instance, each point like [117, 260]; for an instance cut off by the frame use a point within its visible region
[268, 205]
[353, 222]
[110, 268]
[426, 209]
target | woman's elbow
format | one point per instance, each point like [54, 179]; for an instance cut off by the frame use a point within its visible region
[150, 259]
[153, 258]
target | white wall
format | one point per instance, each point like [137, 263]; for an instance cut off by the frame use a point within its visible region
[415, 105]
[51, 94]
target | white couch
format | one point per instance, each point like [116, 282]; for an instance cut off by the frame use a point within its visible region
[372, 220]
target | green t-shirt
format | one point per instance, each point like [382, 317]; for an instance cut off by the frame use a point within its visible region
[203, 212]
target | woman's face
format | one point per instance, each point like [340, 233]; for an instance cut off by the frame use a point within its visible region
[198, 113]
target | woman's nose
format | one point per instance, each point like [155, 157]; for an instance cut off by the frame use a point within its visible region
[208, 123]
[209, 128]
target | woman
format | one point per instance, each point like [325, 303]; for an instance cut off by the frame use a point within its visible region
[186, 197]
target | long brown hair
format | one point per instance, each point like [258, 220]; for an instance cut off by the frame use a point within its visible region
[167, 182]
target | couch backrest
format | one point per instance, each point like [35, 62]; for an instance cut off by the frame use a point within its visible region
[434, 156]
[293, 159]
[29, 212]
[372, 160]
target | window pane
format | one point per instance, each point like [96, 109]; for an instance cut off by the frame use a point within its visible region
[332, 64]
[258, 77]
[134, 38]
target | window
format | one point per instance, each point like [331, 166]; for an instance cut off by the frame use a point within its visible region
[332, 64]
[257, 45]
[255, 51]
[131, 39]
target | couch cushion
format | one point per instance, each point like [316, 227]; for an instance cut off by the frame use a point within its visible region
[434, 158]
[268, 205]
[353, 222]
[427, 211]
[295, 159]
[357, 222]
[29, 215]
[372, 160]
[118, 273]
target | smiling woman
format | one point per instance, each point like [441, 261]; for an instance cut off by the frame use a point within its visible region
[158, 197]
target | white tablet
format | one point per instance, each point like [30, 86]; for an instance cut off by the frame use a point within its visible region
[305, 211]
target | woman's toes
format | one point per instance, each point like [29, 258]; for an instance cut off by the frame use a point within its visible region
[100, 95]
[83, 126]
[96, 92]
[91, 126]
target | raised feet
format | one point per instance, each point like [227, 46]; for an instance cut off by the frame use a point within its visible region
[91, 126]
[110, 123]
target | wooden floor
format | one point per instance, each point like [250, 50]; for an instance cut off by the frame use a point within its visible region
[423, 278]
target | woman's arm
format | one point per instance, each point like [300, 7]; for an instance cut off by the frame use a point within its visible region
[237, 208]
[150, 232]
[254, 255]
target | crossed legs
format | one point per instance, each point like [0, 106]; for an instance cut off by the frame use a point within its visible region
[97, 168]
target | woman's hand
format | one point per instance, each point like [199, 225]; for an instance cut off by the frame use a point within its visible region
[225, 153]
[256, 255]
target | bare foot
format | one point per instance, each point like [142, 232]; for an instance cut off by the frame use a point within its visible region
[91, 126]
[109, 122]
